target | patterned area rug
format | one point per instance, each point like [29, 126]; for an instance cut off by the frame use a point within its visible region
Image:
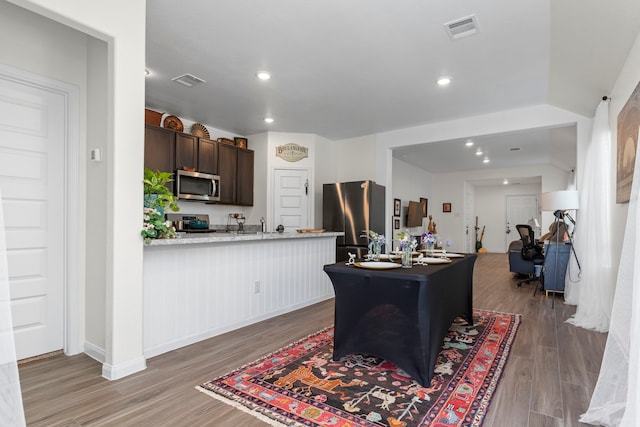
[301, 385]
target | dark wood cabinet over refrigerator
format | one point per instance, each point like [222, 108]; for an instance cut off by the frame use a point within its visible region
[244, 189]
[227, 167]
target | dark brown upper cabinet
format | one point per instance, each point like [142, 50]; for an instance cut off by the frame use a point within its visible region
[207, 156]
[167, 150]
[186, 151]
[227, 169]
[159, 149]
[244, 185]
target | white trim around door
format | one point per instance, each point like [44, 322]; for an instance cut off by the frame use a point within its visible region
[71, 213]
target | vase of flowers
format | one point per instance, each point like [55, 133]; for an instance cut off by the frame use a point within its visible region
[155, 226]
[376, 241]
[429, 241]
[157, 198]
[407, 246]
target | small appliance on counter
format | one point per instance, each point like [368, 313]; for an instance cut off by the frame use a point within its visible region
[191, 223]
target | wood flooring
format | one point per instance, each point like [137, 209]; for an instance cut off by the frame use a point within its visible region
[547, 381]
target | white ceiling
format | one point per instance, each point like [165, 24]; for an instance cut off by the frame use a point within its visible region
[350, 68]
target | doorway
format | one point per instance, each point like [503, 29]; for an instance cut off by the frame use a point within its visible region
[520, 210]
[291, 198]
[36, 134]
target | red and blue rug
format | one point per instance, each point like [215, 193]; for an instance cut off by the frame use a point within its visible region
[299, 385]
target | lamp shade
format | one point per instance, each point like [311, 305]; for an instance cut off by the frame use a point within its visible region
[560, 201]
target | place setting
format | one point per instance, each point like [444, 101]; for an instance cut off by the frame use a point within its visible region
[383, 261]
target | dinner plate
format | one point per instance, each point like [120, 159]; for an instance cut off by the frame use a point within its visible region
[449, 255]
[432, 260]
[378, 265]
[400, 253]
[435, 251]
[389, 256]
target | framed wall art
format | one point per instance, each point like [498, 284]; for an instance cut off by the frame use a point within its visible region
[424, 203]
[396, 223]
[240, 142]
[628, 124]
[446, 207]
[396, 207]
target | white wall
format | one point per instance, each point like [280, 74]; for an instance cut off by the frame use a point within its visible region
[124, 34]
[96, 183]
[491, 209]
[325, 172]
[356, 159]
[410, 184]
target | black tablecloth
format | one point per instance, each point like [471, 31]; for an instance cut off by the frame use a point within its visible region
[401, 315]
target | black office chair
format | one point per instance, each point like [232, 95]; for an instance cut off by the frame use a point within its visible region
[531, 251]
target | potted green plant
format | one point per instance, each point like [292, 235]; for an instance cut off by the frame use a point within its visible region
[157, 197]
[156, 193]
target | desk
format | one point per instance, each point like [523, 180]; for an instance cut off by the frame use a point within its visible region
[401, 315]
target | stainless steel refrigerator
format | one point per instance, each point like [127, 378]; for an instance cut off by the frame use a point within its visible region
[355, 208]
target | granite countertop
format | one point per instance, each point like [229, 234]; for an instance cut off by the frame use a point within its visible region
[218, 237]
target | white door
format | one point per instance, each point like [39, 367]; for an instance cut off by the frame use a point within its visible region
[291, 198]
[520, 210]
[32, 135]
[469, 221]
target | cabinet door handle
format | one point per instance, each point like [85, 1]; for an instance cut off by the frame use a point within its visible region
[306, 187]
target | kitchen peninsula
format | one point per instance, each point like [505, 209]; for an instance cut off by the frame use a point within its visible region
[198, 286]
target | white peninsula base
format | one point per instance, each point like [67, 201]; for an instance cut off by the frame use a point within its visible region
[214, 285]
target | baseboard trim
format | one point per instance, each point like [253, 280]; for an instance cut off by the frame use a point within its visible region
[114, 372]
[94, 352]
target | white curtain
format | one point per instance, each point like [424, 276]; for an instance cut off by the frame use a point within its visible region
[592, 291]
[615, 400]
[11, 412]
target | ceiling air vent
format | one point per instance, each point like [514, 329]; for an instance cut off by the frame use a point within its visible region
[463, 27]
[188, 80]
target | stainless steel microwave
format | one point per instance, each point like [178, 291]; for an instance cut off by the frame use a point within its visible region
[197, 186]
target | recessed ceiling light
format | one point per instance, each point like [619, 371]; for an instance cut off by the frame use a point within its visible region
[506, 181]
[469, 143]
[443, 81]
[263, 75]
[486, 160]
[268, 120]
[478, 152]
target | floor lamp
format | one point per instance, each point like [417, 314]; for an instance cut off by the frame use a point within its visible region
[559, 202]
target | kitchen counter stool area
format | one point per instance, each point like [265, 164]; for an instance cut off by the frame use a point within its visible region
[218, 284]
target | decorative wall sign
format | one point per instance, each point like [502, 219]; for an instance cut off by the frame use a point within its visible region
[628, 123]
[292, 152]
